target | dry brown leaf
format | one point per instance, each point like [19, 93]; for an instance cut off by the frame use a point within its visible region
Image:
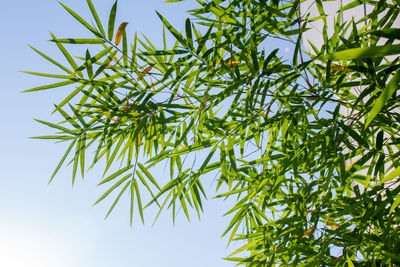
[108, 116]
[332, 224]
[120, 33]
[308, 232]
[230, 63]
[340, 68]
[145, 71]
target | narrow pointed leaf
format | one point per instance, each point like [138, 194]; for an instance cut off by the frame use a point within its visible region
[120, 33]
[96, 17]
[111, 21]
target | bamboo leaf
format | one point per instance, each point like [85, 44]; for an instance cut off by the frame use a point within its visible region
[383, 97]
[115, 174]
[96, 17]
[67, 55]
[111, 21]
[172, 30]
[65, 130]
[112, 188]
[388, 33]
[78, 41]
[349, 262]
[81, 20]
[365, 52]
[120, 33]
[50, 86]
[139, 201]
[62, 160]
[51, 60]
[117, 199]
[392, 175]
[148, 174]
[395, 203]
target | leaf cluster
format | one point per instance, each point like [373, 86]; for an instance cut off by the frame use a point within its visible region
[312, 184]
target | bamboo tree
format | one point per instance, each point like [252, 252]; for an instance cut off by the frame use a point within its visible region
[220, 102]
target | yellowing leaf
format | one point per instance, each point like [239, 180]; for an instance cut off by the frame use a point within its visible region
[308, 232]
[145, 71]
[340, 68]
[120, 33]
[108, 116]
[230, 63]
[350, 165]
[332, 224]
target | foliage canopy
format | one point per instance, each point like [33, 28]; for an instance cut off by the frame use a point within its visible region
[220, 103]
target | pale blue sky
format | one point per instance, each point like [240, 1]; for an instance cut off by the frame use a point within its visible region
[55, 225]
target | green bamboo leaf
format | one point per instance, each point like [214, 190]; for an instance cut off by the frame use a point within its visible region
[110, 159]
[96, 17]
[132, 201]
[65, 130]
[365, 52]
[67, 117]
[395, 203]
[56, 137]
[66, 77]
[172, 30]
[67, 56]
[70, 96]
[392, 255]
[379, 141]
[117, 199]
[173, 1]
[183, 205]
[89, 64]
[394, 174]
[51, 60]
[189, 35]
[220, 13]
[353, 4]
[349, 262]
[78, 41]
[111, 21]
[82, 149]
[76, 160]
[392, 33]
[383, 97]
[146, 185]
[62, 160]
[95, 58]
[104, 65]
[115, 174]
[148, 174]
[78, 116]
[139, 201]
[50, 86]
[81, 20]
[360, 140]
[202, 41]
[163, 52]
[125, 49]
[123, 179]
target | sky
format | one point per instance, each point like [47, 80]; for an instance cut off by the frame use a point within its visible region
[43, 225]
